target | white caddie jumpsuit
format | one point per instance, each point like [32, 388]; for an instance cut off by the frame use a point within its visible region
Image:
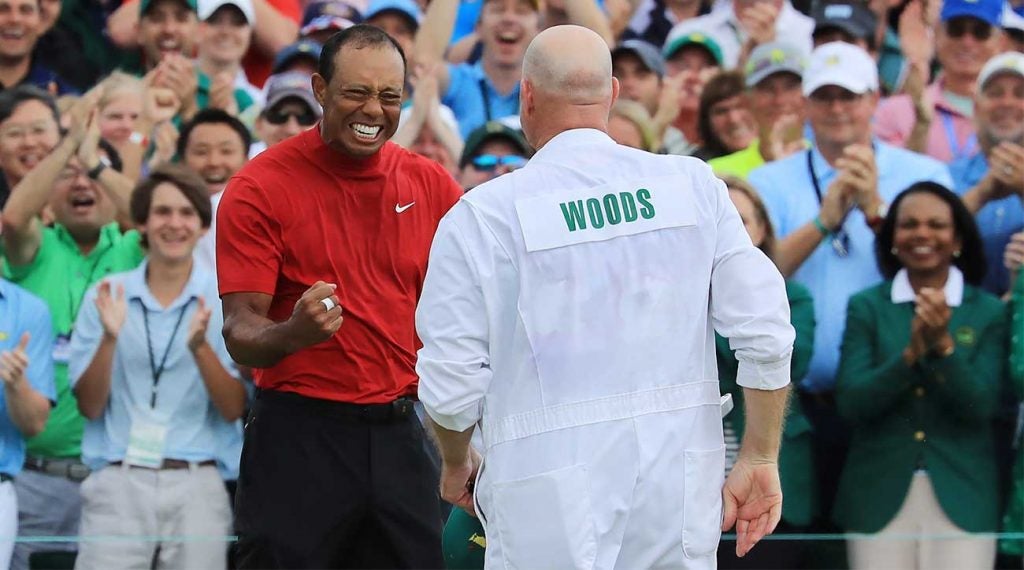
[569, 310]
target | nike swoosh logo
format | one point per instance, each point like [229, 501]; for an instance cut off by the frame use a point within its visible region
[400, 209]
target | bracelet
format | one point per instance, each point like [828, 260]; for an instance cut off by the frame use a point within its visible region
[95, 172]
[825, 232]
[139, 139]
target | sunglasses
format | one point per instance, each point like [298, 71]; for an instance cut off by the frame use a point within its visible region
[306, 119]
[958, 27]
[490, 161]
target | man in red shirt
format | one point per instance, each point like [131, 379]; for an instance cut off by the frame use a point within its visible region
[322, 247]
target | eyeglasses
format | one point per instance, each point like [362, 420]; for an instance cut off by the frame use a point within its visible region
[958, 27]
[306, 119]
[491, 162]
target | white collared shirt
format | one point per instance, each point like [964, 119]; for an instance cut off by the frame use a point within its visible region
[902, 292]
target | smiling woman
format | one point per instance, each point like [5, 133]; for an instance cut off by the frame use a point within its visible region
[922, 360]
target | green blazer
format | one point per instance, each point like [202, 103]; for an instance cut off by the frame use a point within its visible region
[796, 463]
[935, 415]
[1013, 521]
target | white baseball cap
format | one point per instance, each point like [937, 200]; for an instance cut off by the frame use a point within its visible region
[841, 64]
[1009, 63]
[206, 8]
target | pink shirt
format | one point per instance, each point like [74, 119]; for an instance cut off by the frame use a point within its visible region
[894, 120]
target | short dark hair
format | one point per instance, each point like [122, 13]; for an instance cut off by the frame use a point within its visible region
[971, 260]
[11, 99]
[213, 116]
[725, 85]
[185, 179]
[358, 37]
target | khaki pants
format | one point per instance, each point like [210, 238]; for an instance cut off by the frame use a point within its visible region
[143, 518]
[907, 541]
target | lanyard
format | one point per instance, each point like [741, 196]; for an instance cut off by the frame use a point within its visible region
[486, 95]
[954, 145]
[153, 368]
[840, 239]
[74, 304]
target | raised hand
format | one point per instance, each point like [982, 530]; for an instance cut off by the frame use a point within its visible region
[759, 22]
[931, 308]
[1006, 164]
[198, 325]
[222, 93]
[112, 309]
[160, 104]
[858, 161]
[311, 323]
[14, 363]
[88, 150]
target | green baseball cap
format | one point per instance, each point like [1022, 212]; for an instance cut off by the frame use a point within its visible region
[489, 131]
[144, 5]
[683, 35]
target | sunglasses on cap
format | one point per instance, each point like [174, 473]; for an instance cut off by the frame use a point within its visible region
[958, 27]
[306, 119]
[490, 161]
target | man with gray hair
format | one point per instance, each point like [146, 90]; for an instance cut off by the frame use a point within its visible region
[568, 313]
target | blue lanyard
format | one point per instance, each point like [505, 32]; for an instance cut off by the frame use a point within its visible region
[954, 145]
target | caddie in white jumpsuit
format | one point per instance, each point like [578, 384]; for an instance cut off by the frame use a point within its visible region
[568, 314]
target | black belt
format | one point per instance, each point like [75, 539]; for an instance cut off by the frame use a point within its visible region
[5, 477]
[72, 469]
[170, 464]
[394, 411]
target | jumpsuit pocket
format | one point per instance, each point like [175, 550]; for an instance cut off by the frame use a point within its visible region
[546, 520]
[703, 477]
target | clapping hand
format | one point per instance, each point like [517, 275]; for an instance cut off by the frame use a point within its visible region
[759, 22]
[112, 309]
[197, 327]
[858, 164]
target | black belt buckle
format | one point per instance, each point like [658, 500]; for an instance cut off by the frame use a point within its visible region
[402, 408]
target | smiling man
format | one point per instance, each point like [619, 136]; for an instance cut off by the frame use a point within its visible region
[333, 225]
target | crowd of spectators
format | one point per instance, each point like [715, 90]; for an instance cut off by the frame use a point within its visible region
[874, 149]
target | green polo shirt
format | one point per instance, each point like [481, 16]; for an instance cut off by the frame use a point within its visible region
[60, 275]
[739, 163]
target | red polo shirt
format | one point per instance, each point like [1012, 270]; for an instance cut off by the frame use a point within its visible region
[300, 213]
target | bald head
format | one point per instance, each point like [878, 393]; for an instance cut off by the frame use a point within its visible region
[571, 64]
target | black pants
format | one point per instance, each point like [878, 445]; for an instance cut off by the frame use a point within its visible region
[323, 485]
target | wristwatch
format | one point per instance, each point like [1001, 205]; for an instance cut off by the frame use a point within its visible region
[94, 172]
[875, 220]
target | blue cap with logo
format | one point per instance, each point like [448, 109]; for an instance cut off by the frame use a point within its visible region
[302, 48]
[988, 11]
[408, 8]
[329, 15]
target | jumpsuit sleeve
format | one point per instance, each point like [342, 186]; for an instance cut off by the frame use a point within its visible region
[748, 300]
[451, 320]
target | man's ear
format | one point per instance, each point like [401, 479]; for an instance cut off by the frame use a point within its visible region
[319, 88]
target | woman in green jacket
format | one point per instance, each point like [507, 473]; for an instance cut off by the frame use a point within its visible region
[1013, 521]
[922, 360]
[796, 469]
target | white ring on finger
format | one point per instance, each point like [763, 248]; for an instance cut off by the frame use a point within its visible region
[328, 303]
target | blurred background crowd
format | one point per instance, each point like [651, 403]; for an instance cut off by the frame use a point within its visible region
[875, 151]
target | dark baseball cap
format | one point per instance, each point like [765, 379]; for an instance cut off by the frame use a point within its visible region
[489, 131]
[645, 52]
[145, 5]
[850, 16]
[291, 84]
[302, 48]
[329, 15]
